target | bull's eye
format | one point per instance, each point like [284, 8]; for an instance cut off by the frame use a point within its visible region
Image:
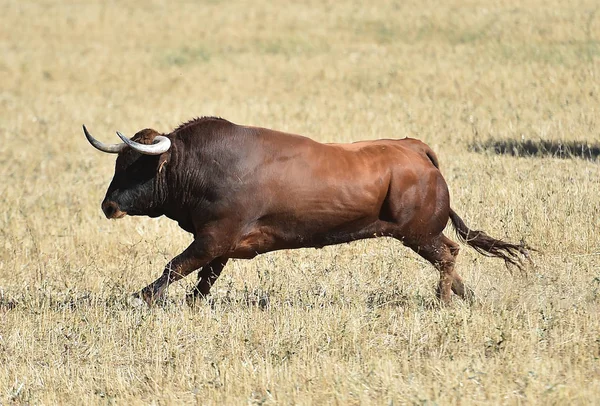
[141, 170]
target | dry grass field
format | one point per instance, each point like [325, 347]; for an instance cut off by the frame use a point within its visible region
[350, 324]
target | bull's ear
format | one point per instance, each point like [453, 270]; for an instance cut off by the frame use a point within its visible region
[163, 160]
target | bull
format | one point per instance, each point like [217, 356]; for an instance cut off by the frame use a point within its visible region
[243, 191]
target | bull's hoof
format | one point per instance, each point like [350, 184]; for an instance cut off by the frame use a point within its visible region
[195, 298]
[143, 298]
[136, 301]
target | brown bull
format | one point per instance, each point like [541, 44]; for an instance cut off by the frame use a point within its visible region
[242, 191]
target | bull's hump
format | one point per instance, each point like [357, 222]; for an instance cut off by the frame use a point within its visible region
[200, 120]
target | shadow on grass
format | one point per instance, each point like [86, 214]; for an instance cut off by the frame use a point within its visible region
[539, 148]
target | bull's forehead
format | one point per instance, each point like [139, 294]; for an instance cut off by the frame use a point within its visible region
[145, 136]
[128, 156]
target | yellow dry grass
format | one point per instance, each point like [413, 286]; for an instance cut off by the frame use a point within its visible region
[352, 324]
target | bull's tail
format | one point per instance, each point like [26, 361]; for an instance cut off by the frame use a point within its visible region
[489, 246]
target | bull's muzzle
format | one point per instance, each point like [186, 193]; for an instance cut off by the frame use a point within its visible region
[111, 210]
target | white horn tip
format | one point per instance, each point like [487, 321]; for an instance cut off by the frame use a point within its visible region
[122, 137]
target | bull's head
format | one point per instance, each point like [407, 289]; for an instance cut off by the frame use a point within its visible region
[134, 189]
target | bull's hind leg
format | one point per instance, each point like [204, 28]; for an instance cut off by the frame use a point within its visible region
[458, 286]
[442, 253]
[206, 279]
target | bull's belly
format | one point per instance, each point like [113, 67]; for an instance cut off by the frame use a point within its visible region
[269, 236]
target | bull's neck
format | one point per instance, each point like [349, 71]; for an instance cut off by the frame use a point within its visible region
[178, 190]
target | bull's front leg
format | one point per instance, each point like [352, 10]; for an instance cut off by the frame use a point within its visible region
[194, 257]
[206, 279]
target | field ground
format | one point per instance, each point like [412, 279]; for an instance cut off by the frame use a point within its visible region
[352, 324]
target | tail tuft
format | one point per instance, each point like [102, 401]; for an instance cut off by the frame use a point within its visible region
[484, 244]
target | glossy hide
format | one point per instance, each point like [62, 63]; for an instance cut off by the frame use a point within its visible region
[243, 191]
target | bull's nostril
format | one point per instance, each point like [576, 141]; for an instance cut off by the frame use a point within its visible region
[109, 208]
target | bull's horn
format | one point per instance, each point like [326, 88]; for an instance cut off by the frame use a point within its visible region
[159, 145]
[110, 148]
